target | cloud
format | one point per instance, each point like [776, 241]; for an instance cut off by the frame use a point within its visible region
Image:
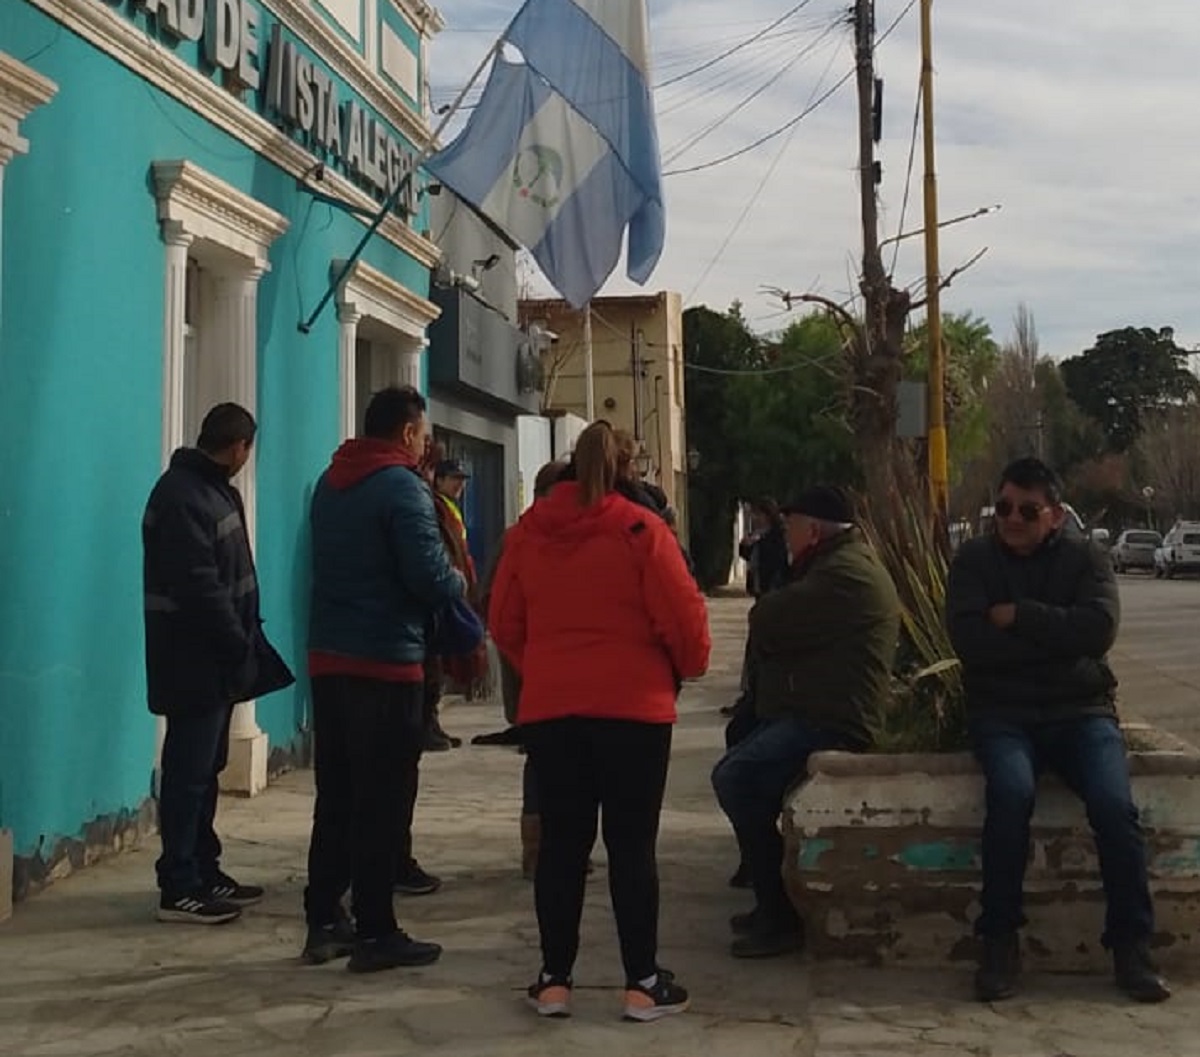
[1079, 116]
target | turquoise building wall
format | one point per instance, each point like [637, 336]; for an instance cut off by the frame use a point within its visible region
[81, 374]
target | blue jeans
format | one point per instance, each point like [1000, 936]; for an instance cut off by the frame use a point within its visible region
[194, 753]
[751, 781]
[1088, 753]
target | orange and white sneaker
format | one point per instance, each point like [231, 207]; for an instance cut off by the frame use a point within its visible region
[551, 996]
[657, 997]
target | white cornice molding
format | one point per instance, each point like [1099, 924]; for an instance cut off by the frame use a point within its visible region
[208, 208]
[318, 34]
[22, 90]
[120, 38]
[427, 19]
[367, 291]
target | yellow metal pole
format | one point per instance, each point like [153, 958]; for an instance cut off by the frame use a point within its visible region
[939, 469]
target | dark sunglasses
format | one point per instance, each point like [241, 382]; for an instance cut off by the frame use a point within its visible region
[1029, 511]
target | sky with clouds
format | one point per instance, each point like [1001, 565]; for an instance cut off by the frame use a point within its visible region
[1080, 117]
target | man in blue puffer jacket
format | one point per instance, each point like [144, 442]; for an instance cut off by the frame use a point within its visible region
[380, 574]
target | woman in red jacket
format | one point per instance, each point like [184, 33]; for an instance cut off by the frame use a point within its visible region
[594, 607]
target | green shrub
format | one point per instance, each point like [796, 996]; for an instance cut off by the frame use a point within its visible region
[926, 712]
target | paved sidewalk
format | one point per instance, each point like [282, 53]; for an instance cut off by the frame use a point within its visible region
[85, 970]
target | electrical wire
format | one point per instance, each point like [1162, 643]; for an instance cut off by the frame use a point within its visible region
[736, 48]
[757, 192]
[912, 156]
[677, 151]
[775, 133]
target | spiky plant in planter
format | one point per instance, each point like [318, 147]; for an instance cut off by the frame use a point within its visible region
[927, 711]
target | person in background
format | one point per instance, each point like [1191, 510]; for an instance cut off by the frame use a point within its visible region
[205, 651]
[379, 575]
[595, 609]
[820, 661]
[449, 481]
[765, 549]
[510, 688]
[1032, 610]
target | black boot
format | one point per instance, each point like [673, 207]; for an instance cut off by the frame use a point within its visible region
[765, 935]
[1137, 975]
[999, 966]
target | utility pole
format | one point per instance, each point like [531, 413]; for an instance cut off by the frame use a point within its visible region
[589, 375]
[939, 470]
[635, 369]
[879, 343]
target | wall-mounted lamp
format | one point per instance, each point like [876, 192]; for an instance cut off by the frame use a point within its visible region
[693, 458]
[433, 190]
[642, 461]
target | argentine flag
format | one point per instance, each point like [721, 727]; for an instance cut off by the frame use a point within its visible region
[562, 150]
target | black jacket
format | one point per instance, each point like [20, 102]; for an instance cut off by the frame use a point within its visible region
[1051, 664]
[204, 642]
[767, 556]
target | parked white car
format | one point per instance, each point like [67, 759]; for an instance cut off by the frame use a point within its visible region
[1180, 550]
[1135, 549]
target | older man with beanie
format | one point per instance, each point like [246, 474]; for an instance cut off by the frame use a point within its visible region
[821, 651]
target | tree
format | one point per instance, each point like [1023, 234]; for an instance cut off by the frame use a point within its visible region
[713, 342]
[1125, 376]
[972, 358]
[789, 422]
[1168, 462]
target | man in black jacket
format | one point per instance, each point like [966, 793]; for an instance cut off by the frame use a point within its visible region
[205, 651]
[1033, 611]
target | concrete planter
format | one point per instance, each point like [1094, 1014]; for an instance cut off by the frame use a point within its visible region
[883, 858]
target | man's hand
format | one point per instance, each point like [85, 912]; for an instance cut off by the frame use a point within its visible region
[1003, 616]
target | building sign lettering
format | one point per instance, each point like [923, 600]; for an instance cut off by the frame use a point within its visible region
[291, 89]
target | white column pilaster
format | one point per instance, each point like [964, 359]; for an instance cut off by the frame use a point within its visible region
[235, 313]
[348, 320]
[408, 365]
[174, 337]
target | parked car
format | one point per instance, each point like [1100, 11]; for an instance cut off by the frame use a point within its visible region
[1180, 550]
[1135, 549]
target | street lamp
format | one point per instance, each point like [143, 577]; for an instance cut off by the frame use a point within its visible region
[1148, 495]
[982, 211]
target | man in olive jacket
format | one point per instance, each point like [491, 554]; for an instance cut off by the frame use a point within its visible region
[820, 658]
[205, 650]
[1032, 611]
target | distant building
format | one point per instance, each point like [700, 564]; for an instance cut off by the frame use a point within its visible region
[637, 367]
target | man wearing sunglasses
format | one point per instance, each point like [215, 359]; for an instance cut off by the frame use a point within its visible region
[1032, 611]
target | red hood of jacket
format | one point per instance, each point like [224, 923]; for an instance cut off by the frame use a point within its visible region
[558, 519]
[357, 459]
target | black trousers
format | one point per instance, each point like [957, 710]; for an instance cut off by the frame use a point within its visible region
[367, 736]
[194, 753]
[616, 769]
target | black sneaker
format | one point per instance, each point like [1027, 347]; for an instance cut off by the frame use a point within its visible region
[551, 996]
[766, 938]
[226, 890]
[413, 881]
[199, 909]
[1137, 975]
[399, 950]
[326, 943]
[999, 967]
[660, 999]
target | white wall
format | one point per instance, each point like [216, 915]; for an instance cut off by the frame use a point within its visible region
[534, 450]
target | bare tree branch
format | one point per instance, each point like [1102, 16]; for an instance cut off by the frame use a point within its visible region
[951, 277]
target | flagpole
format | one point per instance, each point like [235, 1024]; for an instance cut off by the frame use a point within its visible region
[405, 181]
[589, 376]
